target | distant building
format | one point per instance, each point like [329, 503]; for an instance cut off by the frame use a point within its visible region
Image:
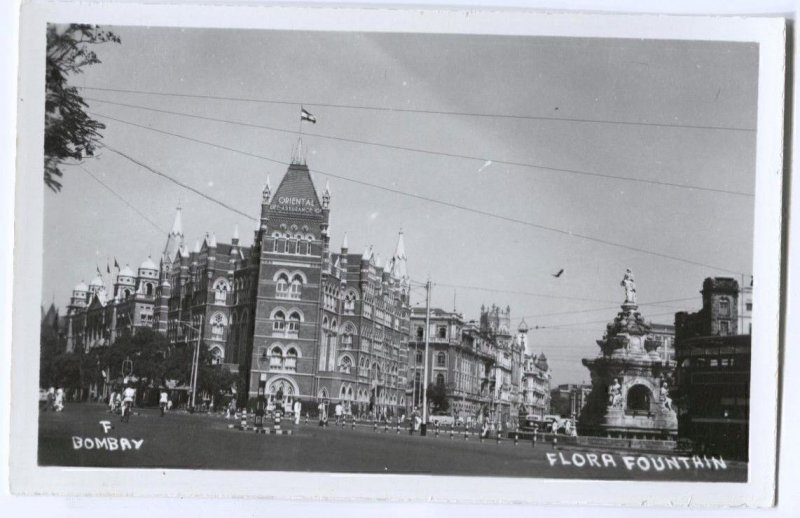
[712, 389]
[568, 399]
[746, 309]
[479, 363]
[536, 377]
[664, 335]
[96, 316]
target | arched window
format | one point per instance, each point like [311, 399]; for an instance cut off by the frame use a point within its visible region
[148, 289]
[345, 364]
[639, 398]
[216, 356]
[279, 321]
[302, 247]
[296, 288]
[293, 327]
[280, 245]
[290, 362]
[275, 358]
[724, 307]
[291, 246]
[346, 339]
[350, 302]
[282, 287]
[441, 359]
[440, 380]
[362, 363]
[218, 324]
[221, 288]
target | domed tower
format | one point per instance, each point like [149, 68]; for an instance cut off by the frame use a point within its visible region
[126, 284]
[79, 299]
[147, 278]
[97, 288]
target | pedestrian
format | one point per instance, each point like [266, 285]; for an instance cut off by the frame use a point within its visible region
[128, 395]
[51, 399]
[58, 406]
[162, 401]
[338, 411]
[298, 407]
[321, 409]
[111, 399]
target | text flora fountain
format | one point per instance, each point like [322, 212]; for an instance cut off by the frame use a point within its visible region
[630, 380]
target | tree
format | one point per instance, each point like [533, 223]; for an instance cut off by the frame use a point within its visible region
[69, 132]
[437, 397]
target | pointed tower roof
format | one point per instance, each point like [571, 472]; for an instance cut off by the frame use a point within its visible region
[399, 266]
[367, 253]
[197, 246]
[523, 326]
[296, 193]
[212, 241]
[344, 242]
[236, 232]
[175, 237]
[298, 153]
[266, 193]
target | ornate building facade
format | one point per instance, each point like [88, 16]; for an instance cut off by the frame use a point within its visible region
[289, 313]
[314, 324]
[96, 315]
[712, 392]
[480, 363]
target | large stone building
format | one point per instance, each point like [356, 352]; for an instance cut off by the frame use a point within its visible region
[314, 324]
[97, 315]
[293, 316]
[480, 364]
[712, 389]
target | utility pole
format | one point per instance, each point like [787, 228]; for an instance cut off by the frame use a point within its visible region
[424, 428]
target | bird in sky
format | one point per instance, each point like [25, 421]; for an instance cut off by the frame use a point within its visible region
[557, 275]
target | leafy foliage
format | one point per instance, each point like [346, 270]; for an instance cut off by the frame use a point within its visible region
[69, 132]
[437, 398]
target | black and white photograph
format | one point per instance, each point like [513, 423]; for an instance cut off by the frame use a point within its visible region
[503, 255]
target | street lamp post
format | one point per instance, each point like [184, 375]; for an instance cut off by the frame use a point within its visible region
[195, 362]
[424, 427]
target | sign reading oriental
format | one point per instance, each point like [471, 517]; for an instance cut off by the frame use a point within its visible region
[295, 205]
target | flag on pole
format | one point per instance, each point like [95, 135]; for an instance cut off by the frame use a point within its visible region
[306, 116]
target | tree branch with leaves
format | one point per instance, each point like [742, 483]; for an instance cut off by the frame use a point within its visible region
[70, 134]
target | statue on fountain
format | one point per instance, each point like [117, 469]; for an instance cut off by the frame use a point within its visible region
[630, 287]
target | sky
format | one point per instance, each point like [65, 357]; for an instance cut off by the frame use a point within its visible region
[616, 82]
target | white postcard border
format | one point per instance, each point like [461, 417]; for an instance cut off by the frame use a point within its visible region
[27, 477]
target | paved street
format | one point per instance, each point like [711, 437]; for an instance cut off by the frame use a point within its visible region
[180, 440]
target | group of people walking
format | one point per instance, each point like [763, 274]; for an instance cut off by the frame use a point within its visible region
[54, 399]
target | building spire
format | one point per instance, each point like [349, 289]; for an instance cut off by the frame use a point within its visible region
[298, 153]
[344, 242]
[267, 193]
[175, 236]
[326, 196]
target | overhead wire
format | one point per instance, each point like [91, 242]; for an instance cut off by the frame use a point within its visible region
[432, 152]
[426, 111]
[407, 194]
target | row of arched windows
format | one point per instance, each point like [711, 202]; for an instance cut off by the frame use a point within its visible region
[294, 244]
